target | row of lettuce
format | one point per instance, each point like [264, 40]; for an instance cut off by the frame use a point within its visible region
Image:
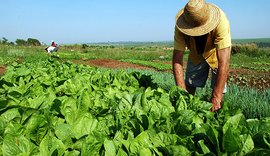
[59, 108]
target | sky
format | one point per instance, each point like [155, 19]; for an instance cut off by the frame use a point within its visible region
[91, 21]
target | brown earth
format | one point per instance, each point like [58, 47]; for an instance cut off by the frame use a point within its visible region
[241, 77]
[250, 78]
[2, 70]
[108, 63]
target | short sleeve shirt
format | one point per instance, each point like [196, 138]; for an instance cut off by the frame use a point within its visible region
[219, 38]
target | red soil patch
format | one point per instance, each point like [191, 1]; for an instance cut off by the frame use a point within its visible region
[2, 70]
[107, 63]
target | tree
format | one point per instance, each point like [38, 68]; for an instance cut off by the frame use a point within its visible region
[33, 42]
[4, 40]
[11, 43]
[84, 46]
[21, 42]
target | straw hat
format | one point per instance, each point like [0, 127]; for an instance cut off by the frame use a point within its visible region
[197, 18]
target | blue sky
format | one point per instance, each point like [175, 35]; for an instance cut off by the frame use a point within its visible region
[86, 21]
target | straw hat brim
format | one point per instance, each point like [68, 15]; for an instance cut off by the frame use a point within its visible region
[208, 26]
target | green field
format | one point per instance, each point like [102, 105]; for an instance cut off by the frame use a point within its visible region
[52, 106]
[146, 54]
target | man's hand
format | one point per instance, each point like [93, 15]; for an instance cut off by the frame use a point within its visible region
[216, 104]
[223, 56]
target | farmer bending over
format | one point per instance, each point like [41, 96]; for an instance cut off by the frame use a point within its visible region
[204, 29]
[52, 48]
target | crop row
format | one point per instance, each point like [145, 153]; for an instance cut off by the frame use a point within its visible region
[59, 108]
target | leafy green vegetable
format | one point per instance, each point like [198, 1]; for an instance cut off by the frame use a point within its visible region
[59, 108]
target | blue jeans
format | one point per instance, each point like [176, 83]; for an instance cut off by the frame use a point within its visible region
[196, 75]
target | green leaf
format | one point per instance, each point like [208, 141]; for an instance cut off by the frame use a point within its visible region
[110, 149]
[164, 141]
[203, 147]
[84, 125]
[179, 98]
[206, 137]
[69, 109]
[135, 126]
[3, 104]
[262, 140]
[183, 120]
[11, 114]
[50, 97]
[236, 136]
[3, 124]
[64, 132]
[212, 134]
[253, 126]
[13, 128]
[121, 152]
[247, 144]
[23, 71]
[145, 151]
[36, 127]
[50, 145]
[236, 123]
[92, 144]
[18, 145]
[179, 150]
[259, 152]
[72, 153]
[231, 141]
[37, 101]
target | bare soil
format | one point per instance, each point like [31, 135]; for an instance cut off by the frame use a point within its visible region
[114, 64]
[2, 70]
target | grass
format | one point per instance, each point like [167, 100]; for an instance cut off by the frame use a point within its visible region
[252, 102]
[10, 54]
[243, 61]
[157, 65]
[117, 53]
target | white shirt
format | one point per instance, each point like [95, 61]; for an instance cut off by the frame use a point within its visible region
[51, 49]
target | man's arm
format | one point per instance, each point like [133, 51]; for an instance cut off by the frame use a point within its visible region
[223, 56]
[178, 68]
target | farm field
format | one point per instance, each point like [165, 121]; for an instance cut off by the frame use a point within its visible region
[120, 99]
[249, 65]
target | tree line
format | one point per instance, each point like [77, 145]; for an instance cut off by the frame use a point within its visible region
[21, 42]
